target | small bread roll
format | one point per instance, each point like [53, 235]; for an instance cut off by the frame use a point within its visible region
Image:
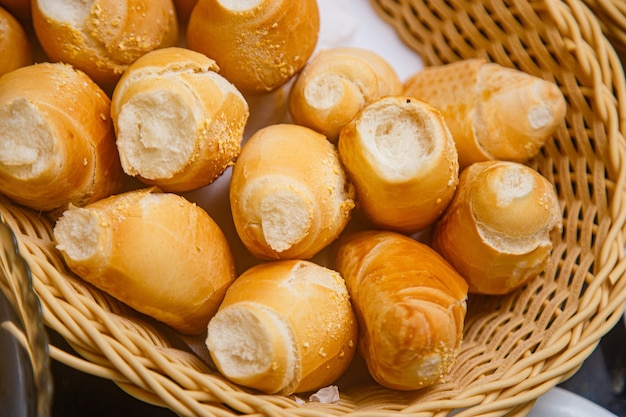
[402, 160]
[15, 47]
[258, 44]
[497, 230]
[336, 84]
[289, 195]
[103, 37]
[410, 306]
[179, 123]
[156, 252]
[284, 327]
[493, 112]
[57, 144]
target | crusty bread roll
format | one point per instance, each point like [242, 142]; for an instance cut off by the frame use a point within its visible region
[103, 37]
[336, 84]
[15, 47]
[402, 160]
[493, 112]
[258, 44]
[157, 252]
[289, 195]
[410, 305]
[497, 230]
[179, 123]
[283, 327]
[57, 144]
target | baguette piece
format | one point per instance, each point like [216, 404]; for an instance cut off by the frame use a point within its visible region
[103, 37]
[289, 194]
[258, 44]
[336, 84]
[157, 252]
[498, 228]
[283, 327]
[57, 144]
[400, 156]
[410, 306]
[179, 123]
[15, 47]
[493, 112]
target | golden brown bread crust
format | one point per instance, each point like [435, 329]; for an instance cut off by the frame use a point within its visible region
[104, 37]
[156, 252]
[15, 48]
[497, 230]
[260, 44]
[58, 145]
[410, 305]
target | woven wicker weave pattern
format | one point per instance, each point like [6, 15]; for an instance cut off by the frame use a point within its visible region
[515, 347]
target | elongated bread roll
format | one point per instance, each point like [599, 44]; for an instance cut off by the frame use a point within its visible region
[498, 228]
[57, 144]
[156, 252]
[15, 47]
[402, 160]
[179, 123]
[410, 305]
[103, 37]
[258, 44]
[284, 327]
[289, 195]
[336, 84]
[493, 112]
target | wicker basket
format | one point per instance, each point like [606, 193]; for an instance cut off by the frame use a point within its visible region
[516, 347]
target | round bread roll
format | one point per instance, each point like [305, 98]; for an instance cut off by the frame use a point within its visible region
[179, 123]
[258, 44]
[15, 47]
[283, 327]
[402, 160]
[336, 84]
[157, 252]
[289, 195]
[497, 230]
[57, 144]
[493, 112]
[410, 305]
[103, 37]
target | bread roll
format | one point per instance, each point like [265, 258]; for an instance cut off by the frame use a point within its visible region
[179, 123]
[493, 112]
[258, 44]
[289, 195]
[57, 144]
[15, 47]
[410, 305]
[284, 327]
[402, 160]
[336, 84]
[156, 252]
[498, 228]
[103, 37]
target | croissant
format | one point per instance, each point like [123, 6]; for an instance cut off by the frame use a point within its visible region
[493, 112]
[410, 306]
[336, 84]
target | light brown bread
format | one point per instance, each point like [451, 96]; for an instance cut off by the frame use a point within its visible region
[493, 112]
[156, 252]
[410, 305]
[289, 194]
[179, 123]
[336, 84]
[258, 44]
[15, 48]
[57, 144]
[400, 156]
[498, 228]
[284, 327]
